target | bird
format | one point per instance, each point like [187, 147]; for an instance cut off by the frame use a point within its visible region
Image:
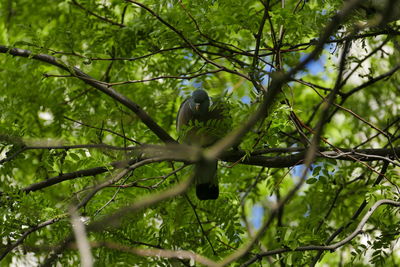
[201, 123]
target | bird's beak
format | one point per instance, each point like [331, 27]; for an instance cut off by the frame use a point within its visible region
[197, 106]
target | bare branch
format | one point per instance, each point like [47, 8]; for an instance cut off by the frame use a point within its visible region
[362, 86]
[77, 174]
[351, 112]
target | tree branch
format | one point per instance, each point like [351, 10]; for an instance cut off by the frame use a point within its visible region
[235, 156]
[145, 118]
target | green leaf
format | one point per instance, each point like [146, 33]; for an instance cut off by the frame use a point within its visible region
[311, 180]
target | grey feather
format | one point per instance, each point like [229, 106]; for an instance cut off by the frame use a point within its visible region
[197, 124]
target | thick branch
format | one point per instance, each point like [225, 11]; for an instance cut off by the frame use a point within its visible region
[238, 156]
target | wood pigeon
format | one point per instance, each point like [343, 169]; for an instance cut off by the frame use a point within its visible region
[201, 123]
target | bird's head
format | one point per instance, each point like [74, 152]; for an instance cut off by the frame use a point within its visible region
[199, 102]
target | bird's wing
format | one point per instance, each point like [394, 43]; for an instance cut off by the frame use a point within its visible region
[184, 115]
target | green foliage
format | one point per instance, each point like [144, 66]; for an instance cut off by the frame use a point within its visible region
[53, 125]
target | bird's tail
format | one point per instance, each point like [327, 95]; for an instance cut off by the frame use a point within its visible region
[206, 179]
